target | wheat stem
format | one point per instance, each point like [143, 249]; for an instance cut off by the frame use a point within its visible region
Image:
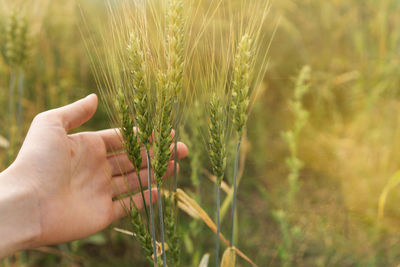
[217, 153]
[218, 226]
[176, 160]
[142, 193]
[153, 233]
[11, 136]
[176, 104]
[235, 174]
[160, 207]
[11, 98]
[20, 98]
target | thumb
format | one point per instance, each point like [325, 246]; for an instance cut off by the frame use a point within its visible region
[77, 113]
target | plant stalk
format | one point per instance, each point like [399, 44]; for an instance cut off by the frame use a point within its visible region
[153, 232]
[11, 99]
[218, 226]
[20, 99]
[11, 136]
[160, 207]
[235, 174]
[142, 193]
[176, 160]
[176, 147]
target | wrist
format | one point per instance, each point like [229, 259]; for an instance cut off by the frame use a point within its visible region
[19, 212]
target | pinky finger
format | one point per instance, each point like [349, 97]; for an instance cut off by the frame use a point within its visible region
[121, 206]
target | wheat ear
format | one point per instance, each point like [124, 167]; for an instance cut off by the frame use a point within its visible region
[217, 153]
[132, 148]
[240, 102]
[175, 55]
[176, 60]
[142, 107]
[163, 140]
[141, 98]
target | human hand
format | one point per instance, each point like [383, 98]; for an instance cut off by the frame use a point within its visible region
[74, 177]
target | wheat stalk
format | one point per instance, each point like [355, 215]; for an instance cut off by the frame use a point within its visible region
[163, 140]
[217, 153]
[141, 234]
[142, 107]
[130, 140]
[239, 105]
[175, 71]
[132, 148]
[141, 103]
[241, 83]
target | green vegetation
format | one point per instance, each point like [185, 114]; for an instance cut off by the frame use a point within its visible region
[289, 110]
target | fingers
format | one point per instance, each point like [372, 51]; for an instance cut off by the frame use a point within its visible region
[121, 206]
[120, 162]
[112, 139]
[77, 113]
[181, 149]
[129, 182]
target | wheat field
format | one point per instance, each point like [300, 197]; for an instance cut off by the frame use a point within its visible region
[294, 102]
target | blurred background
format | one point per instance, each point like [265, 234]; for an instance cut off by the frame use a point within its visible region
[346, 208]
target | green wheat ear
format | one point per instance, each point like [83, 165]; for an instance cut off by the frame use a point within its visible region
[173, 238]
[141, 102]
[216, 129]
[130, 141]
[239, 106]
[163, 129]
[241, 83]
[17, 40]
[176, 46]
[132, 148]
[162, 144]
[141, 234]
[217, 153]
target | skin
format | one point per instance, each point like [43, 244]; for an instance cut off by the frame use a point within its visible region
[61, 186]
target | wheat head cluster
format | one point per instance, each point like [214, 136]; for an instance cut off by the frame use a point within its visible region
[152, 74]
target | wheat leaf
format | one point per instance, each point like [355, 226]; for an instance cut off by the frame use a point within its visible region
[393, 182]
[189, 202]
[229, 258]
[126, 232]
[204, 260]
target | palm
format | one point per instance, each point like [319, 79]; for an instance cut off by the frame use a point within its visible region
[80, 174]
[76, 176]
